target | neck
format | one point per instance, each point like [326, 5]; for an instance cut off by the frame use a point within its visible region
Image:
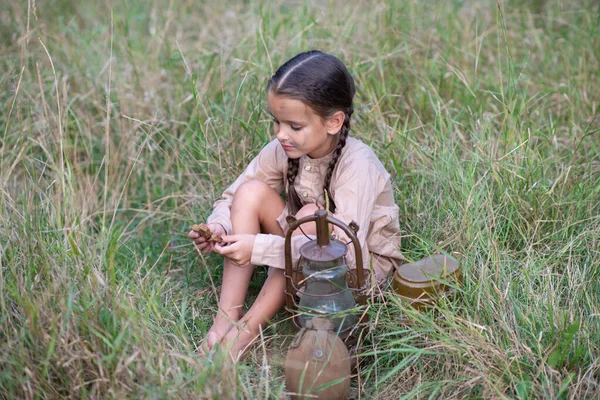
[331, 147]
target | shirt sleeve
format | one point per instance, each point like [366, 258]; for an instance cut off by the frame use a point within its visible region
[267, 166]
[270, 249]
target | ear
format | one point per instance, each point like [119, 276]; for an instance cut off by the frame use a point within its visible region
[334, 122]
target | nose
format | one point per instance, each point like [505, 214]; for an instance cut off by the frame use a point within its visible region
[280, 133]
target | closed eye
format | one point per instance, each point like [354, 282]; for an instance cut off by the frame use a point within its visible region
[294, 127]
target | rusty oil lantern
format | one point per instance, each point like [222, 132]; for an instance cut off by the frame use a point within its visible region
[318, 362]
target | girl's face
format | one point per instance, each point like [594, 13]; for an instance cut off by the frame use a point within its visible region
[300, 130]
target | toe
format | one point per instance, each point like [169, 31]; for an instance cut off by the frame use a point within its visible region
[212, 339]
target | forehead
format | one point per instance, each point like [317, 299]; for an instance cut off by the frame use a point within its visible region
[283, 107]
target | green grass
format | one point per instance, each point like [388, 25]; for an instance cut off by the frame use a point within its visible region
[121, 124]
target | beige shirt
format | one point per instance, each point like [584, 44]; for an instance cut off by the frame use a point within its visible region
[360, 187]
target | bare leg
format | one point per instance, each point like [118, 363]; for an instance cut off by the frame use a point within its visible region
[231, 301]
[254, 210]
[269, 301]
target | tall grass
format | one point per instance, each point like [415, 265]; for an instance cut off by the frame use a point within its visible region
[122, 122]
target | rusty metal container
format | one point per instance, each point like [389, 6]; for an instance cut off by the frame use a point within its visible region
[317, 365]
[422, 282]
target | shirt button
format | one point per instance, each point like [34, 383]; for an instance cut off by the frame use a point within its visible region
[304, 194]
[307, 167]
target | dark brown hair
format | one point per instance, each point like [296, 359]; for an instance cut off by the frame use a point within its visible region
[322, 82]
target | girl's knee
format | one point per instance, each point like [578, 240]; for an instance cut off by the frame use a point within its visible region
[253, 186]
[308, 228]
[307, 210]
[254, 190]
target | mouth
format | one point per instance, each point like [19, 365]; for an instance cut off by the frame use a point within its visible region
[287, 147]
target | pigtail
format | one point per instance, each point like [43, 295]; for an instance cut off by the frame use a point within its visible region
[293, 199]
[336, 155]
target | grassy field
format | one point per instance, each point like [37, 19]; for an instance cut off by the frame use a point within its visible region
[121, 123]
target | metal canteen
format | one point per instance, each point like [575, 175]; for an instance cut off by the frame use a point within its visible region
[317, 365]
[422, 282]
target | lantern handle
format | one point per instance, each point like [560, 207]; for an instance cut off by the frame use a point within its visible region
[293, 224]
[321, 216]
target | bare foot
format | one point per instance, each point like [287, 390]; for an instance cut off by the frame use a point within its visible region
[239, 339]
[221, 326]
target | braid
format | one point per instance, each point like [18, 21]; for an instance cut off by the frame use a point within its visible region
[293, 199]
[336, 155]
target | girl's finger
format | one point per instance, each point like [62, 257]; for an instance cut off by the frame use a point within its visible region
[230, 238]
[200, 241]
[225, 250]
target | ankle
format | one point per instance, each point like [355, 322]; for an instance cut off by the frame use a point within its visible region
[230, 314]
[247, 327]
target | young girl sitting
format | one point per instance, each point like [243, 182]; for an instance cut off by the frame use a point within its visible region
[310, 99]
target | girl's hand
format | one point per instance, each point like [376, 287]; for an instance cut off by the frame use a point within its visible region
[201, 243]
[239, 250]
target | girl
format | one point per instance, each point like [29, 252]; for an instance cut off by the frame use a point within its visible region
[310, 99]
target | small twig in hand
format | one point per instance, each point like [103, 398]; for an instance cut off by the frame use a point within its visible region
[206, 233]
